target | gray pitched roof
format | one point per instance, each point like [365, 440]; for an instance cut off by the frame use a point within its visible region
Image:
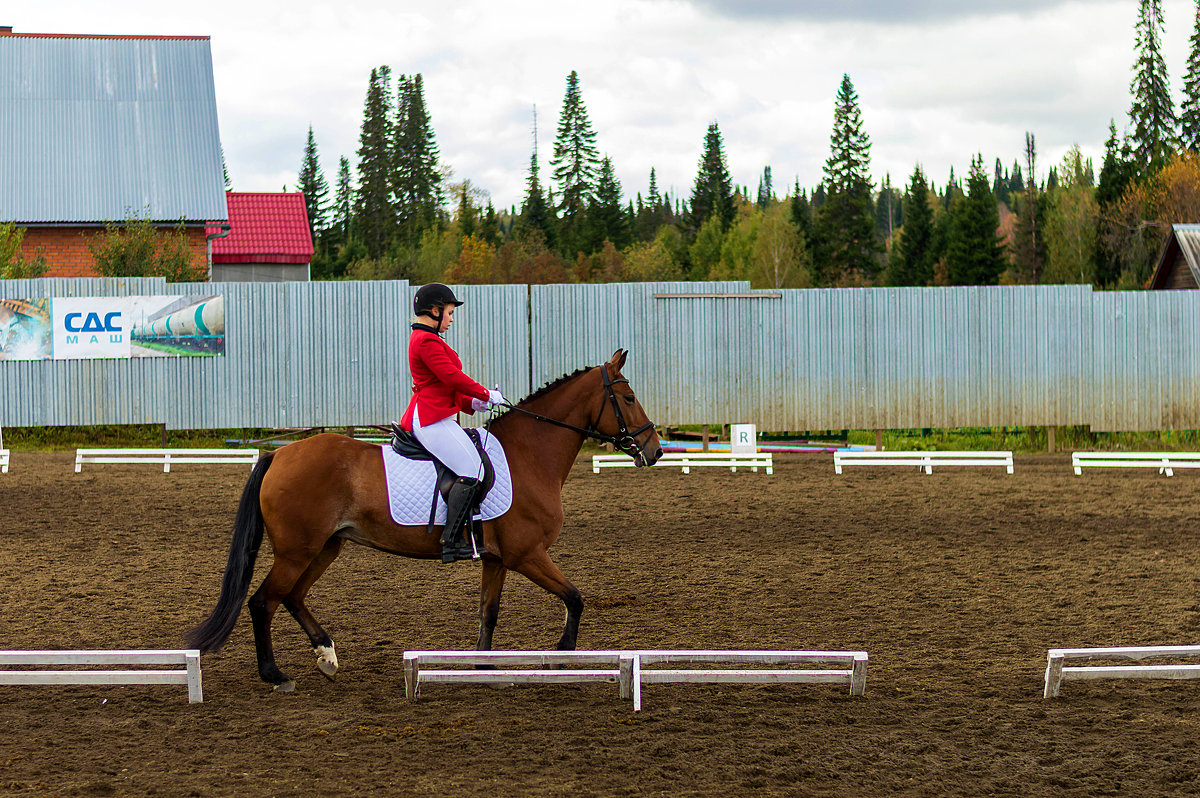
[96, 129]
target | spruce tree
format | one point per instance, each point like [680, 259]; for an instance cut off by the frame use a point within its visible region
[1000, 184]
[913, 256]
[846, 221]
[372, 205]
[766, 192]
[536, 214]
[575, 163]
[311, 182]
[417, 180]
[343, 195]
[1117, 172]
[607, 216]
[1152, 113]
[1029, 250]
[712, 193]
[1189, 112]
[973, 254]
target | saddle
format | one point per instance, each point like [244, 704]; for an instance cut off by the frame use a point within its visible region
[405, 444]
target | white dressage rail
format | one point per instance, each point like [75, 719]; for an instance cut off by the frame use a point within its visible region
[1057, 672]
[924, 460]
[689, 460]
[627, 668]
[4, 461]
[167, 457]
[1165, 462]
[188, 658]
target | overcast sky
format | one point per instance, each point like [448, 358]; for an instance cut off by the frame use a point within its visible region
[937, 80]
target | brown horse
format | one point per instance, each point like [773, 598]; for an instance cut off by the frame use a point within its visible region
[314, 495]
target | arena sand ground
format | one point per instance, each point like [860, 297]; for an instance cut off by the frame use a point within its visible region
[956, 584]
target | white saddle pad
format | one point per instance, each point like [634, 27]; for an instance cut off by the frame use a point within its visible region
[410, 486]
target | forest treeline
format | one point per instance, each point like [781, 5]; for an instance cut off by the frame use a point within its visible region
[399, 214]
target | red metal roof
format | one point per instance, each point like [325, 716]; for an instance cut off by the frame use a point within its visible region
[264, 228]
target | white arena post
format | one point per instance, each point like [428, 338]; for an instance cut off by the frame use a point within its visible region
[188, 658]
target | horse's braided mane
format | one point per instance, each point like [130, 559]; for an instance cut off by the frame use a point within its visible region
[545, 389]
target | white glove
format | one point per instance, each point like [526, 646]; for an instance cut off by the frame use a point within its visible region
[495, 398]
[479, 405]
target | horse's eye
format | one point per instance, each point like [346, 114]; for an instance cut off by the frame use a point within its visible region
[628, 399]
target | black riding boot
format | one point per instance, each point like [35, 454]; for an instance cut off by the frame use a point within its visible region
[459, 504]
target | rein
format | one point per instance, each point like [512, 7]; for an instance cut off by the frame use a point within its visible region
[624, 440]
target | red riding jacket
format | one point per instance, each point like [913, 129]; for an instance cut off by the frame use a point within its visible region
[440, 388]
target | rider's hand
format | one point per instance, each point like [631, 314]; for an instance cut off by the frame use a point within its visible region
[479, 405]
[495, 398]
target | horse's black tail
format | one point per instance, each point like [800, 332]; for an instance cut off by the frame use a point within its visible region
[243, 550]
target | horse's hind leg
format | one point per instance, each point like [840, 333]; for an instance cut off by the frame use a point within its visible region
[489, 600]
[322, 643]
[542, 571]
[263, 604]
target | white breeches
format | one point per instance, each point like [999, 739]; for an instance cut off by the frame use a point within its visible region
[449, 443]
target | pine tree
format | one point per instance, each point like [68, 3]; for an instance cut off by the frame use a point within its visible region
[973, 253]
[575, 165]
[311, 182]
[608, 218]
[801, 211]
[372, 206]
[846, 221]
[712, 193]
[417, 180]
[1189, 112]
[1152, 112]
[913, 256]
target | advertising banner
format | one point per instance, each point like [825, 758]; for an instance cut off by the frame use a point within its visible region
[72, 328]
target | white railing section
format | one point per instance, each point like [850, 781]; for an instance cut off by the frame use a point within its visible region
[1058, 672]
[924, 460]
[628, 669]
[1165, 462]
[167, 457]
[689, 460]
[3, 461]
[188, 658]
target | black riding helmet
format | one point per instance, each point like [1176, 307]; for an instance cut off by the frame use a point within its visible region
[431, 297]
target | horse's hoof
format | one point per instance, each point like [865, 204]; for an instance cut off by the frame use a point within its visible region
[327, 662]
[285, 687]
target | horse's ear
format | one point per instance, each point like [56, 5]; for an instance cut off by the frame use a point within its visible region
[618, 359]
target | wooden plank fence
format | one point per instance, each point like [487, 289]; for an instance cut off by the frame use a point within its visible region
[167, 457]
[188, 658]
[628, 669]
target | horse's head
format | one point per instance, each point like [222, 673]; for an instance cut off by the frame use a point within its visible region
[622, 418]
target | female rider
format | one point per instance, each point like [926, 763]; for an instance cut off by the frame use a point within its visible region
[440, 391]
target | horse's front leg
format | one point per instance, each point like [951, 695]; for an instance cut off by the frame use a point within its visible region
[491, 584]
[542, 571]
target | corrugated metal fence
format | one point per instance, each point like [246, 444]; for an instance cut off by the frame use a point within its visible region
[333, 354]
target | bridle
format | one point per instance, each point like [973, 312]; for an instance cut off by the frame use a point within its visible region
[624, 441]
